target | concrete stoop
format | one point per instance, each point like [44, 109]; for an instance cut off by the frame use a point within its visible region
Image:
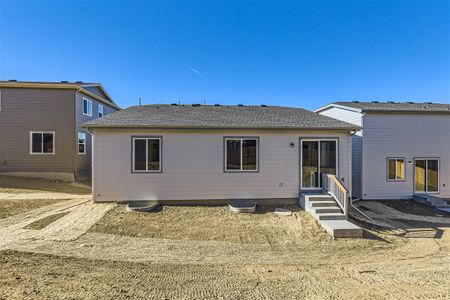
[327, 212]
[432, 201]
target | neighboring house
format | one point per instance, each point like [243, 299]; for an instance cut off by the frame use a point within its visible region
[402, 150]
[210, 154]
[40, 132]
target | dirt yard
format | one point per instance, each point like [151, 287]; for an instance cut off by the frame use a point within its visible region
[211, 253]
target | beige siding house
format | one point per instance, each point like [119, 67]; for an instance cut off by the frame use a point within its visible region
[40, 127]
[216, 153]
[404, 151]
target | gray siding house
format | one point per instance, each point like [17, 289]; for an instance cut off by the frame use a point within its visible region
[403, 148]
[40, 127]
[210, 154]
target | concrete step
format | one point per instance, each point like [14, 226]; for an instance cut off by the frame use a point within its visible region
[326, 210]
[332, 216]
[326, 198]
[342, 229]
[324, 204]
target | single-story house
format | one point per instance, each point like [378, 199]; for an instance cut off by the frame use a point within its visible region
[40, 127]
[403, 149]
[210, 154]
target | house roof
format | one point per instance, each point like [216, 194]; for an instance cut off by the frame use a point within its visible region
[215, 116]
[83, 87]
[391, 106]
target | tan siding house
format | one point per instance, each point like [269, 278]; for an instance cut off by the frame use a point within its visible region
[213, 154]
[39, 126]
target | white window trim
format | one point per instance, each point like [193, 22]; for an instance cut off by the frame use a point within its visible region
[318, 159]
[78, 143]
[42, 147]
[241, 170]
[98, 110]
[146, 155]
[396, 168]
[426, 178]
[89, 102]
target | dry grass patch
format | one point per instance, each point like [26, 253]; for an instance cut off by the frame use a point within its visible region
[13, 207]
[210, 224]
[44, 222]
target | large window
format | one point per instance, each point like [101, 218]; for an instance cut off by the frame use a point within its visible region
[81, 143]
[241, 154]
[87, 107]
[426, 175]
[100, 110]
[146, 154]
[42, 142]
[396, 169]
[318, 157]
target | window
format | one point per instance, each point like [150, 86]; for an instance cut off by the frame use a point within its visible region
[42, 142]
[81, 143]
[146, 154]
[100, 110]
[396, 169]
[87, 107]
[241, 154]
[426, 175]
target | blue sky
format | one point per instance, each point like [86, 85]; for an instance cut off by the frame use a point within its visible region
[302, 54]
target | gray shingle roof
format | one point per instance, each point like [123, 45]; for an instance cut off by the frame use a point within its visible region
[398, 106]
[211, 116]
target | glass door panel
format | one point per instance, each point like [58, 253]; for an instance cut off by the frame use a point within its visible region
[419, 175]
[310, 164]
[433, 175]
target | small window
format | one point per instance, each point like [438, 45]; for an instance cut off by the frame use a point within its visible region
[396, 169]
[241, 154]
[100, 110]
[87, 107]
[146, 154]
[81, 143]
[42, 142]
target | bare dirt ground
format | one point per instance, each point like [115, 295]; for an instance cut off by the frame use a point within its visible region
[102, 251]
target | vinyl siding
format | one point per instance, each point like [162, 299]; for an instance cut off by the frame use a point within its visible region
[83, 161]
[403, 135]
[353, 118]
[193, 164]
[25, 110]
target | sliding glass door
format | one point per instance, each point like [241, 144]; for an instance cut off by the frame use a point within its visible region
[426, 175]
[317, 157]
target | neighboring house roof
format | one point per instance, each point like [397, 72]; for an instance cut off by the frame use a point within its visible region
[215, 116]
[376, 106]
[83, 87]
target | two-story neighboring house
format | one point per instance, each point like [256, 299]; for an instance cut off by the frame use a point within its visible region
[402, 150]
[40, 127]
